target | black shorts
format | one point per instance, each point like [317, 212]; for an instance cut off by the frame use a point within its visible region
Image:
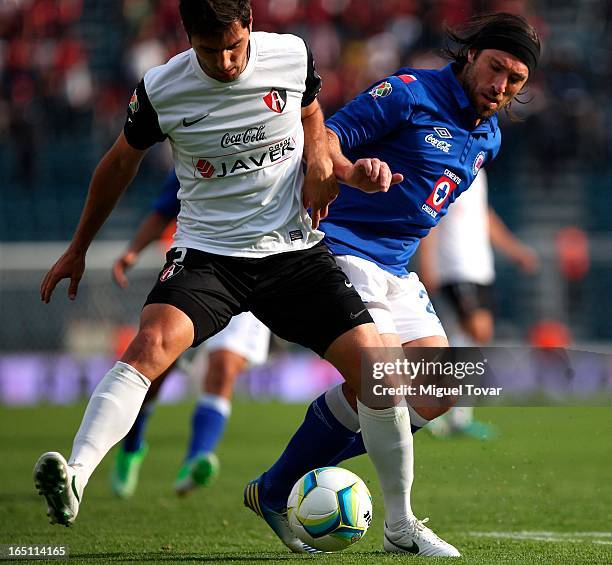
[302, 296]
[466, 297]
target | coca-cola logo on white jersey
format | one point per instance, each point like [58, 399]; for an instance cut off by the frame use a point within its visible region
[249, 135]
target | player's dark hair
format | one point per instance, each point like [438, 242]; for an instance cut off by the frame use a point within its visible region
[470, 35]
[486, 31]
[206, 17]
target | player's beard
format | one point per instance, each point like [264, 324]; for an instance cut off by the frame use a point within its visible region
[476, 96]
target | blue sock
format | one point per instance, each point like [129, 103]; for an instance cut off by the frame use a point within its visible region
[207, 424]
[356, 448]
[134, 439]
[320, 437]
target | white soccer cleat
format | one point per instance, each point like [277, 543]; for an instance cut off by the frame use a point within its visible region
[57, 482]
[417, 539]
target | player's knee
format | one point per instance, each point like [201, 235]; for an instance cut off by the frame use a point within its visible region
[479, 326]
[223, 368]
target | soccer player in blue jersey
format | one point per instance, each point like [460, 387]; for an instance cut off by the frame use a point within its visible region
[244, 341]
[437, 128]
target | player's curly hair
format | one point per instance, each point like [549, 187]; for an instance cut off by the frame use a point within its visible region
[463, 38]
[205, 17]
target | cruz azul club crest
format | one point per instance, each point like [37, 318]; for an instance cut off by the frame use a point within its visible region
[276, 99]
[440, 193]
[478, 162]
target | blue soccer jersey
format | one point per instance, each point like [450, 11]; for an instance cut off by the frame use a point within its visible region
[421, 123]
[167, 204]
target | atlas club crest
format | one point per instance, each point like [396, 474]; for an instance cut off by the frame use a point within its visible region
[276, 99]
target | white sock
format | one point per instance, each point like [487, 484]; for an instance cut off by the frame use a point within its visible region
[416, 419]
[388, 439]
[339, 406]
[460, 417]
[216, 402]
[110, 413]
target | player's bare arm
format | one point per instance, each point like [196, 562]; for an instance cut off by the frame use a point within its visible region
[320, 186]
[369, 175]
[510, 245]
[112, 175]
[150, 230]
[428, 268]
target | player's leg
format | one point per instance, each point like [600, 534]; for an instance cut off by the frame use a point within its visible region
[209, 417]
[343, 401]
[244, 341]
[472, 306]
[187, 305]
[165, 332]
[133, 448]
[331, 424]
[419, 330]
[346, 337]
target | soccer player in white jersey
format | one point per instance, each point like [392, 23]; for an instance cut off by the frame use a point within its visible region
[240, 111]
[244, 341]
[456, 263]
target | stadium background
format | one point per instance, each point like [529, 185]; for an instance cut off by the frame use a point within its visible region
[68, 67]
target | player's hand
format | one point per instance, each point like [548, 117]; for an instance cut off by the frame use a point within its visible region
[528, 260]
[121, 265]
[70, 265]
[372, 175]
[319, 191]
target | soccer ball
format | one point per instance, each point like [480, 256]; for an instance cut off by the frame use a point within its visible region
[329, 508]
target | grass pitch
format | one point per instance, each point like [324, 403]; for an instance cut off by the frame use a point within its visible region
[541, 493]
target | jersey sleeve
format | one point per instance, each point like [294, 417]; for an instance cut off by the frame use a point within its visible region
[373, 114]
[141, 127]
[313, 80]
[167, 204]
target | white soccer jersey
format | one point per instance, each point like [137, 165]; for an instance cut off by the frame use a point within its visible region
[463, 241]
[237, 146]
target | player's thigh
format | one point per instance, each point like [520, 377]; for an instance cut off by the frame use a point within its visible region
[371, 282]
[224, 366]
[413, 313]
[190, 282]
[478, 324]
[245, 336]
[164, 333]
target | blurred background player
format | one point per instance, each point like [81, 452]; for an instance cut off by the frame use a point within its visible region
[244, 341]
[456, 265]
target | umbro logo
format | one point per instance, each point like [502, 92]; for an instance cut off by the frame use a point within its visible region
[188, 123]
[443, 133]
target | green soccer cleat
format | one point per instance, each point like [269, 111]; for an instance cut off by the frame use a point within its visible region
[480, 430]
[199, 472]
[124, 479]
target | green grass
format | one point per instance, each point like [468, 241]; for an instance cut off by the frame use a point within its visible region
[550, 471]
